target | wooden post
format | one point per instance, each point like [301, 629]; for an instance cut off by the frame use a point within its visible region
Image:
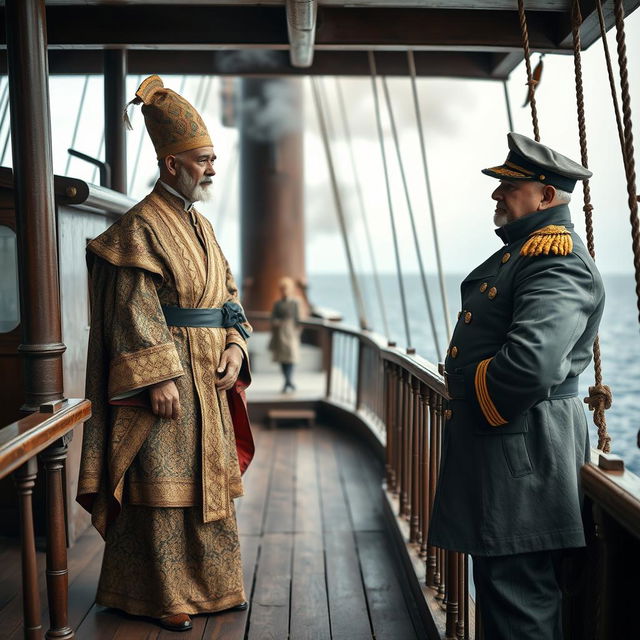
[41, 345]
[415, 460]
[115, 99]
[271, 176]
[57, 573]
[25, 479]
[452, 595]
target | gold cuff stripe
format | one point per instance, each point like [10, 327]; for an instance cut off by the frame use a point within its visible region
[486, 404]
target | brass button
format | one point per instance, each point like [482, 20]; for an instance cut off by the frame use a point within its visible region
[493, 292]
[505, 257]
[447, 414]
[453, 352]
[483, 287]
[467, 317]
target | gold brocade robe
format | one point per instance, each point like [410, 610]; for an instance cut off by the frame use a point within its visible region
[157, 254]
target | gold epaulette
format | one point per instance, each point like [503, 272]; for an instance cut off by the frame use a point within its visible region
[553, 238]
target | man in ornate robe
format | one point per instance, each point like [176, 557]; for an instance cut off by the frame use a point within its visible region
[164, 449]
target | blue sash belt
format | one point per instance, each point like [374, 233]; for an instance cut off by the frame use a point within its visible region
[229, 315]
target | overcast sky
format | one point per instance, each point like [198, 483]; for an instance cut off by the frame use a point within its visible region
[465, 125]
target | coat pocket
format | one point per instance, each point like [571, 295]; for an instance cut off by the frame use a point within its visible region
[514, 447]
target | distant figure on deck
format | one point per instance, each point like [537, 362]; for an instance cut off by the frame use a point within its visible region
[285, 332]
[163, 452]
[516, 434]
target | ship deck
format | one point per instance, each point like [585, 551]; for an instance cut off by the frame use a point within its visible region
[317, 560]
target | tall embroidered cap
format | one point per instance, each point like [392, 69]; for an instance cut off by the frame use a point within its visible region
[173, 123]
[530, 160]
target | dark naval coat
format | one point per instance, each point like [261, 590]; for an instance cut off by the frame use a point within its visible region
[515, 434]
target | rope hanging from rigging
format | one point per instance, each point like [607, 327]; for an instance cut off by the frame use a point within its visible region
[423, 277]
[394, 233]
[357, 294]
[600, 397]
[628, 151]
[427, 180]
[365, 221]
[531, 83]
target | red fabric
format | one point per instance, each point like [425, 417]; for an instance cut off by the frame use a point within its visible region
[239, 416]
[242, 427]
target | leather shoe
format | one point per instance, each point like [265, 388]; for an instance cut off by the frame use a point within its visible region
[240, 607]
[176, 622]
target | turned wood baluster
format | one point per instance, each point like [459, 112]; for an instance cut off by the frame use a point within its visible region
[57, 573]
[408, 438]
[433, 478]
[441, 573]
[399, 436]
[415, 462]
[452, 595]
[425, 483]
[25, 479]
[462, 597]
[388, 419]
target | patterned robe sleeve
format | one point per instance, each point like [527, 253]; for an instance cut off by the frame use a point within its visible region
[135, 335]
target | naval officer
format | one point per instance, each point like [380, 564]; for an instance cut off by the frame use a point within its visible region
[515, 434]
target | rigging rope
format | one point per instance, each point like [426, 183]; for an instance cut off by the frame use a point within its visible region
[531, 83]
[507, 102]
[77, 125]
[4, 101]
[628, 154]
[427, 180]
[394, 233]
[357, 294]
[134, 171]
[612, 80]
[600, 396]
[425, 288]
[365, 222]
[222, 207]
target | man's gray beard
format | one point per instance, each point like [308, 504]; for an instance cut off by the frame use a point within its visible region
[500, 218]
[190, 189]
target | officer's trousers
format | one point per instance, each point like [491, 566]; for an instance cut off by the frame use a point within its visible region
[519, 596]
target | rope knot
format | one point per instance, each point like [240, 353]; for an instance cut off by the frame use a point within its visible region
[588, 208]
[599, 398]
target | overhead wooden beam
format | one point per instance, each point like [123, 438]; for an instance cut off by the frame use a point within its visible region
[202, 27]
[276, 63]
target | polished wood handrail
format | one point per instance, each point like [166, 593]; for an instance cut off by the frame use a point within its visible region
[45, 434]
[30, 435]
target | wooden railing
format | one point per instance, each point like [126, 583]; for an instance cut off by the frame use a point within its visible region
[46, 435]
[402, 399]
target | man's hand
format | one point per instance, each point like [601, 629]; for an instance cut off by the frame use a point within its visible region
[165, 399]
[229, 367]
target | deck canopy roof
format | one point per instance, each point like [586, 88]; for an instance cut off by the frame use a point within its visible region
[459, 38]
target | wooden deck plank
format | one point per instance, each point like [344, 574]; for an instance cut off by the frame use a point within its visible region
[335, 514]
[347, 600]
[309, 607]
[269, 617]
[360, 486]
[390, 616]
[251, 507]
[279, 516]
[308, 515]
[99, 624]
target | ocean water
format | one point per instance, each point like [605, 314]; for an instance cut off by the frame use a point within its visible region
[619, 337]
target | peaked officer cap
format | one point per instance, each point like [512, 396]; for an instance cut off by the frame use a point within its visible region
[173, 123]
[530, 160]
